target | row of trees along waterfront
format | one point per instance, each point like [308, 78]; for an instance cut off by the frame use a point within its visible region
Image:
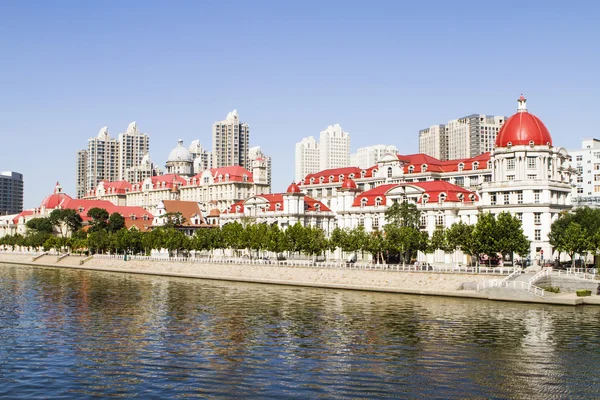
[398, 242]
[577, 232]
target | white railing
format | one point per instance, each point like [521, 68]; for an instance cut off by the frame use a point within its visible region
[582, 275]
[538, 291]
[544, 272]
[318, 264]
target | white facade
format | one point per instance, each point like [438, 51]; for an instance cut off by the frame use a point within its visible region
[464, 137]
[109, 158]
[307, 158]
[180, 161]
[586, 182]
[433, 141]
[256, 154]
[366, 157]
[334, 148]
[231, 140]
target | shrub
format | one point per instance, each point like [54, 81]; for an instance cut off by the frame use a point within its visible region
[552, 289]
[583, 292]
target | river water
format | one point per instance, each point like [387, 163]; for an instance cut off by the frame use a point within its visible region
[78, 334]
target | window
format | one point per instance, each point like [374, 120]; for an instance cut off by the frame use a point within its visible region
[377, 201]
[461, 166]
[475, 166]
[487, 178]
[537, 218]
[375, 222]
[580, 190]
[506, 198]
[424, 168]
[411, 169]
[423, 222]
[439, 220]
[459, 181]
[579, 158]
[493, 198]
[520, 216]
[580, 179]
[579, 170]
[510, 177]
[531, 162]
[537, 234]
[510, 164]
[531, 177]
[389, 172]
[361, 221]
[442, 197]
[363, 202]
[536, 196]
[519, 197]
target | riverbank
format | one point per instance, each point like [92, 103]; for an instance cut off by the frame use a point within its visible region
[418, 283]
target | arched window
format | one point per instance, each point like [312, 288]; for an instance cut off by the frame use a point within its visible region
[440, 219]
[312, 180]
[351, 176]
[442, 197]
[321, 179]
[389, 172]
[377, 201]
[475, 166]
[489, 164]
[237, 208]
[461, 166]
[363, 173]
[317, 207]
[425, 198]
[461, 197]
[361, 220]
[341, 178]
[245, 178]
[226, 177]
[363, 201]
[424, 168]
[277, 206]
[411, 169]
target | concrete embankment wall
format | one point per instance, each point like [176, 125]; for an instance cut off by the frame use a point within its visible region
[568, 284]
[441, 284]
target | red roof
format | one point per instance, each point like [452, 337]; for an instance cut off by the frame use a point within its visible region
[349, 184]
[523, 128]
[274, 199]
[117, 187]
[82, 206]
[293, 188]
[417, 161]
[162, 182]
[22, 214]
[432, 188]
[335, 173]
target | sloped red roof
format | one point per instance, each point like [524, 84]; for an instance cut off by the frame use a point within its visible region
[23, 213]
[435, 165]
[337, 172]
[431, 188]
[277, 198]
[188, 209]
[82, 206]
[117, 187]
[162, 182]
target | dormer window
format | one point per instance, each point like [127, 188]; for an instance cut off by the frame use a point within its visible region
[475, 166]
[363, 173]
[80, 209]
[461, 197]
[472, 197]
[331, 178]
[321, 179]
[411, 169]
[317, 207]
[442, 197]
[341, 178]
[145, 217]
[277, 206]
[351, 176]
[226, 177]
[245, 178]
[531, 143]
[238, 208]
[312, 180]
[377, 201]
[461, 166]
[363, 201]
[132, 216]
[489, 164]
[424, 168]
[389, 172]
[425, 198]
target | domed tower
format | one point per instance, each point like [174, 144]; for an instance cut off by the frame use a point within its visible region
[180, 161]
[531, 178]
[293, 200]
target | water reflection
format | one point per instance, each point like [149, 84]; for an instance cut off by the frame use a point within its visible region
[77, 333]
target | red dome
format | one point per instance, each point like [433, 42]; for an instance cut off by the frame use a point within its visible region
[56, 198]
[293, 188]
[522, 129]
[349, 184]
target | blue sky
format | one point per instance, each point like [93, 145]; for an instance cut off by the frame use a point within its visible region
[383, 70]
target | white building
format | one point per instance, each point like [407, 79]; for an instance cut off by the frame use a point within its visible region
[366, 157]
[231, 140]
[307, 158]
[109, 158]
[256, 154]
[524, 174]
[433, 141]
[133, 146]
[464, 137]
[202, 157]
[586, 184]
[334, 148]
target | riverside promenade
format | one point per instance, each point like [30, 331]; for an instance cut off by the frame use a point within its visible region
[485, 284]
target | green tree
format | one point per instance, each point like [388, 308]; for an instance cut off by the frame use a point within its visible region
[99, 218]
[65, 221]
[233, 234]
[575, 241]
[295, 237]
[115, 223]
[510, 237]
[40, 225]
[316, 242]
[403, 213]
[484, 239]
[460, 236]
[98, 242]
[276, 242]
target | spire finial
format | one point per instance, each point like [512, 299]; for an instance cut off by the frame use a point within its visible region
[522, 104]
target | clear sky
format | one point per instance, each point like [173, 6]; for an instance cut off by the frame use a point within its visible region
[381, 69]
